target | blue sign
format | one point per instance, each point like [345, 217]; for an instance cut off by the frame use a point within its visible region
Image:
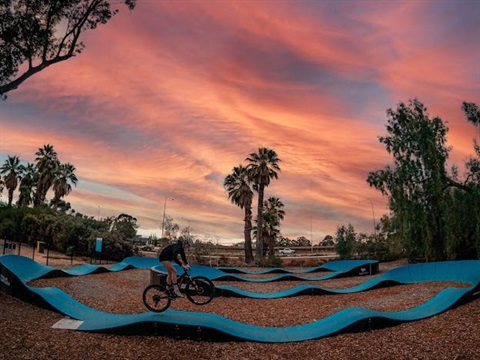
[98, 245]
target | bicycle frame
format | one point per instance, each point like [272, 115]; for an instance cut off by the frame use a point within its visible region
[198, 289]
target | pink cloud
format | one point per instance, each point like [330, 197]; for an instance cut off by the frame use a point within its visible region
[169, 98]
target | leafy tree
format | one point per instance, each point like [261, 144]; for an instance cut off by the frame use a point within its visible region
[472, 112]
[240, 193]
[171, 228]
[345, 239]
[262, 167]
[13, 172]
[126, 226]
[302, 241]
[418, 183]
[283, 241]
[35, 34]
[63, 232]
[327, 241]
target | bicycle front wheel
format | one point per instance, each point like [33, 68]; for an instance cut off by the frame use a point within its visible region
[200, 290]
[156, 298]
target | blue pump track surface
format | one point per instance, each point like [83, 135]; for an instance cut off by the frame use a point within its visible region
[339, 268]
[16, 271]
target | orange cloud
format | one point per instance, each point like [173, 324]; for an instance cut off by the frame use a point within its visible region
[167, 99]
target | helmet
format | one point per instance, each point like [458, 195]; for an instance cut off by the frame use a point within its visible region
[188, 241]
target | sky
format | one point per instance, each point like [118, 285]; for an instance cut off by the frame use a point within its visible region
[165, 100]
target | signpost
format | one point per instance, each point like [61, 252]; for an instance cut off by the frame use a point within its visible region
[98, 249]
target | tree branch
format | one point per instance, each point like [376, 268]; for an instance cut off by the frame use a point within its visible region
[32, 70]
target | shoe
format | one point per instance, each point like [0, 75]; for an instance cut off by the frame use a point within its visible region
[177, 293]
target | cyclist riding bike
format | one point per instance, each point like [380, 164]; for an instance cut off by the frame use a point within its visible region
[171, 253]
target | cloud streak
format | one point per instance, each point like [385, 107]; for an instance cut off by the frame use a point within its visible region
[164, 101]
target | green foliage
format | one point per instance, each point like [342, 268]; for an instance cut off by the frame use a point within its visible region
[429, 206]
[12, 171]
[383, 245]
[37, 179]
[327, 241]
[63, 232]
[263, 166]
[40, 33]
[126, 226]
[238, 186]
[345, 239]
[270, 261]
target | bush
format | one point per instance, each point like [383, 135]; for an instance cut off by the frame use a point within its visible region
[271, 261]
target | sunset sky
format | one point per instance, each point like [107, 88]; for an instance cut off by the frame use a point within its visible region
[165, 100]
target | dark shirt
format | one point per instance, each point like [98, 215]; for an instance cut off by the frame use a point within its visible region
[171, 252]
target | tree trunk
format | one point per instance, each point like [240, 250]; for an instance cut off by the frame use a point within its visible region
[259, 247]
[248, 234]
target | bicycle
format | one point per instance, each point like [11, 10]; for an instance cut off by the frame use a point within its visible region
[198, 289]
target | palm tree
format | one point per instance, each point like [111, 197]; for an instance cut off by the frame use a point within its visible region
[262, 168]
[12, 172]
[274, 206]
[47, 163]
[270, 232]
[273, 213]
[63, 176]
[237, 185]
[2, 185]
[27, 184]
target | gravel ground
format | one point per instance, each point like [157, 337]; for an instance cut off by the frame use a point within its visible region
[27, 334]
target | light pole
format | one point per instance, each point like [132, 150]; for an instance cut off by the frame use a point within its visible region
[164, 209]
[373, 217]
[311, 236]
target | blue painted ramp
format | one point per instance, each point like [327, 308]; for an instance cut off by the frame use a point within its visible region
[336, 265]
[15, 269]
[410, 274]
[27, 269]
[339, 268]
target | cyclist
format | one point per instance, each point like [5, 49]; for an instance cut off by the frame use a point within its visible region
[171, 253]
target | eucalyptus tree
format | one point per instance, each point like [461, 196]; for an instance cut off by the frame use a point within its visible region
[12, 171]
[472, 112]
[262, 167]
[171, 228]
[418, 181]
[238, 186]
[27, 184]
[47, 163]
[35, 34]
[345, 239]
[126, 226]
[64, 176]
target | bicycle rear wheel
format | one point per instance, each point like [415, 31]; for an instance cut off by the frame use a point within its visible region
[155, 298]
[200, 290]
